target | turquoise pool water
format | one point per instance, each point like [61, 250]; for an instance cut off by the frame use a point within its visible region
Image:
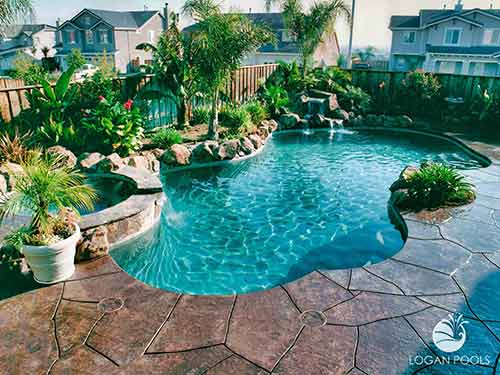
[308, 201]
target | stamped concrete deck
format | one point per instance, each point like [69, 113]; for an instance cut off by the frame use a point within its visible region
[373, 320]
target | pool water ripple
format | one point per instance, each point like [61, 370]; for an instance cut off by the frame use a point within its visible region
[306, 202]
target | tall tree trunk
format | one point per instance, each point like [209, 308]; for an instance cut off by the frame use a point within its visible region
[304, 65]
[214, 118]
[183, 113]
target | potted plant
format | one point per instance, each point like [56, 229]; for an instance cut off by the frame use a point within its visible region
[46, 188]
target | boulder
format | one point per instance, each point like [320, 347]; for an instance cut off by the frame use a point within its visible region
[94, 244]
[138, 161]
[263, 132]
[66, 155]
[89, 161]
[405, 121]
[404, 177]
[177, 155]
[289, 121]
[247, 146]
[205, 152]
[152, 160]
[110, 163]
[256, 141]
[304, 124]
[9, 170]
[340, 114]
[156, 152]
[273, 125]
[318, 121]
[228, 150]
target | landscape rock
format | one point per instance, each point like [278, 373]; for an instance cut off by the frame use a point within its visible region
[404, 177]
[264, 132]
[247, 146]
[69, 158]
[204, 152]
[89, 161]
[137, 161]
[177, 155]
[405, 121]
[289, 121]
[110, 163]
[273, 124]
[228, 150]
[9, 170]
[94, 244]
[256, 141]
[152, 160]
[340, 114]
[318, 121]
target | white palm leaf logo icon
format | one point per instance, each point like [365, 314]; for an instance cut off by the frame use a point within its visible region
[449, 335]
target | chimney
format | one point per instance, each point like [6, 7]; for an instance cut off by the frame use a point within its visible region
[58, 22]
[166, 15]
[459, 7]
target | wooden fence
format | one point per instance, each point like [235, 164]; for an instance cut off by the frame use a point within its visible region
[458, 86]
[244, 84]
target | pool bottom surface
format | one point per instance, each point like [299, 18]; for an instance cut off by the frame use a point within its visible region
[307, 202]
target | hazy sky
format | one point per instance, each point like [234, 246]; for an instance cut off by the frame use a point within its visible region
[371, 22]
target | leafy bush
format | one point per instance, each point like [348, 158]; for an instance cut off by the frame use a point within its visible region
[164, 138]
[201, 115]
[75, 59]
[332, 79]
[436, 185]
[28, 70]
[276, 99]
[485, 106]
[234, 116]
[354, 99]
[46, 182]
[289, 78]
[256, 110]
[114, 127]
[99, 85]
[420, 94]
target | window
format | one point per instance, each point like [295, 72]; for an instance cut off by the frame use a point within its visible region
[409, 37]
[449, 67]
[492, 37]
[103, 36]
[286, 36]
[151, 36]
[452, 37]
[89, 36]
[71, 36]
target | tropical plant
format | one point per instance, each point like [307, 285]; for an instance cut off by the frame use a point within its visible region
[332, 79]
[45, 51]
[257, 111]
[354, 99]
[13, 146]
[46, 184]
[166, 137]
[176, 75]
[234, 116]
[11, 10]
[100, 85]
[436, 185]
[201, 115]
[310, 28]
[485, 105]
[222, 40]
[276, 99]
[420, 94]
[113, 127]
[366, 54]
[75, 59]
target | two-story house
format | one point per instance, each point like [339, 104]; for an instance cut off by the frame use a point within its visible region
[33, 41]
[116, 33]
[285, 49]
[456, 41]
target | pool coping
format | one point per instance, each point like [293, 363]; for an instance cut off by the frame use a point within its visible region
[374, 315]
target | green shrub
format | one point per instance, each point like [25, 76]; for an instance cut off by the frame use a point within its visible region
[256, 110]
[354, 99]
[201, 115]
[420, 94]
[234, 116]
[332, 79]
[276, 99]
[164, 138]
[437, 185]
[99, 85]
[485, 106]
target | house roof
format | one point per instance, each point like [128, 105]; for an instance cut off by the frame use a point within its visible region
[428, 17]
[477, 50]
[125, 19]
[18, 36]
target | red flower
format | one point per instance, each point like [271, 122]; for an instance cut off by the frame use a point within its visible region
[128, 104]
[101, 98]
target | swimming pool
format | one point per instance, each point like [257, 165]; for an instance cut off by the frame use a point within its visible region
[308, 201]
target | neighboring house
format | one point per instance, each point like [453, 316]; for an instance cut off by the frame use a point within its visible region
[456, 41]
[285, 48]
[28, 40]
[95, 32]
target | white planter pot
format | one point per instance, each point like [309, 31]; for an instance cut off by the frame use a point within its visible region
[54, 263]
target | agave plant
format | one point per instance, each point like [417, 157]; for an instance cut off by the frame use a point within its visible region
[46, 185]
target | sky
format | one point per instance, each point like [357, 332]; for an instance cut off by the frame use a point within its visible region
[370, 26]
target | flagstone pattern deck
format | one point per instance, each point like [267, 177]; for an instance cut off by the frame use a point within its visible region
[369, 320]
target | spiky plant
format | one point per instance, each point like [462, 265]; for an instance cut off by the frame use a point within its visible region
[44, 184]
[13, 146]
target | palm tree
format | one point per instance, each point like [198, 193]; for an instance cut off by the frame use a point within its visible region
[366, 54]
[173, 64]
[11, 10]
[45, 183]
[45, 51]
[309, 28]
[223, 40]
